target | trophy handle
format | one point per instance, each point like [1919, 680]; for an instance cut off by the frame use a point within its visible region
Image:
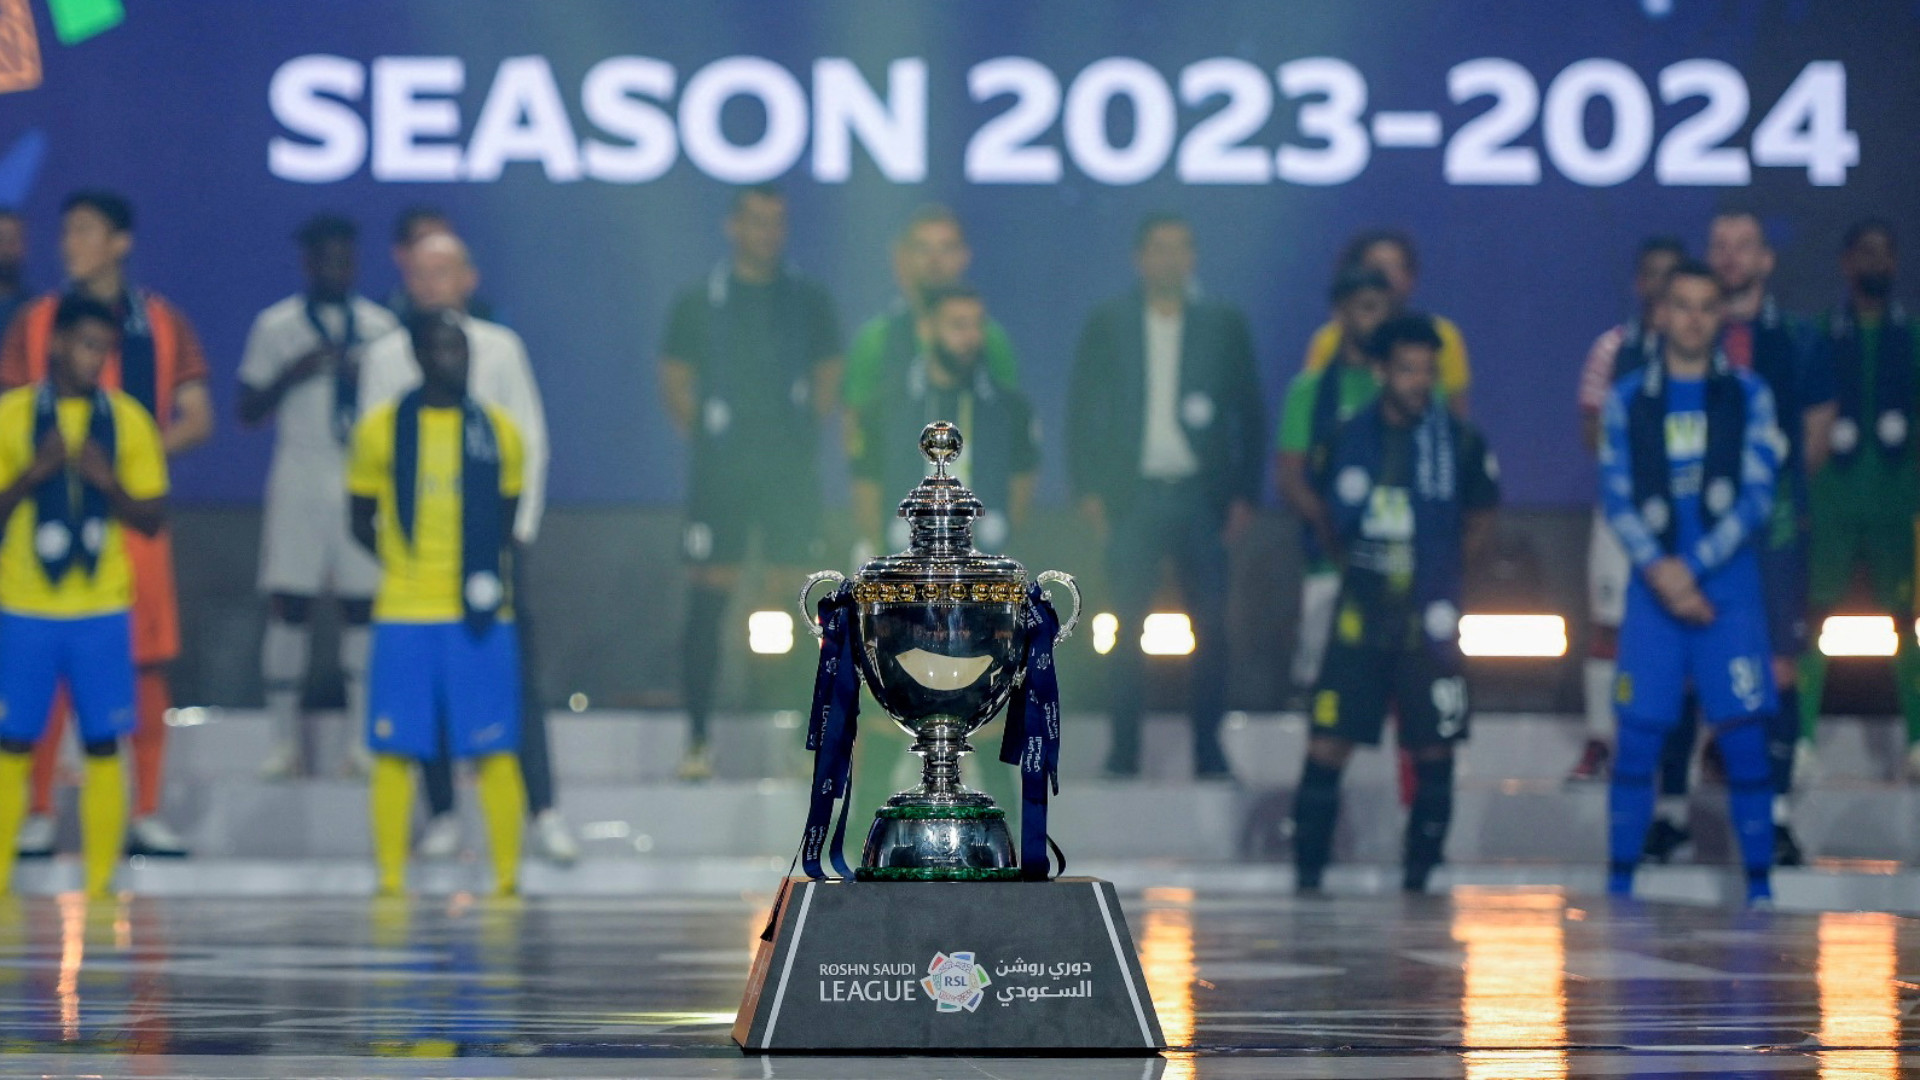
[1050, 577]
[806, 593]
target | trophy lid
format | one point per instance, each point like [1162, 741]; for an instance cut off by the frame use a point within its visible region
[940, 515]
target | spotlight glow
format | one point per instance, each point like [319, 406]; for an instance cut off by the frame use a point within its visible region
[1166, 633]
[770, 633]
[1859, 635]
[1106, 631]
[1513, 635]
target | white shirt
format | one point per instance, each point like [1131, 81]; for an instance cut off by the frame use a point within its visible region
[307, 451]
[1165, 453]
[498, 374]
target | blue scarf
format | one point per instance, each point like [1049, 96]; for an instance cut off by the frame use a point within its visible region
[346, 377]
[69, 529]
[1032, 736]
[482, 581]
[832, 726]
[1434, 495]
[139, 367]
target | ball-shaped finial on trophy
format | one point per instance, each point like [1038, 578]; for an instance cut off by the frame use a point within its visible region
[940, 441]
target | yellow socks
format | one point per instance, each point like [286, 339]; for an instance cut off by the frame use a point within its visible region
[103, 821]
[390, 812]
[503, 801]
[14, 772]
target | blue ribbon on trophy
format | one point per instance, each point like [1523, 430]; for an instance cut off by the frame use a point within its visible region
[831, 729]
[1032, 736]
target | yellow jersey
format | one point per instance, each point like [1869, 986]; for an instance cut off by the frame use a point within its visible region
[1455, 373]
[422, 581]
[141, 466]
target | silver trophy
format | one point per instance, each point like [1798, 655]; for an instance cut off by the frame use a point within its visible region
[941, 644]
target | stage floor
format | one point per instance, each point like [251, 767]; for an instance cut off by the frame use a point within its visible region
[1487, 982]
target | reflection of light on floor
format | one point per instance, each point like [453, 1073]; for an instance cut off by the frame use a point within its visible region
[1166, 958]
[73, 950]
[1514, 1000]
[1859, 1001]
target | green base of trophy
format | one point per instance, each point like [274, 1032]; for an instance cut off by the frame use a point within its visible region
[985, 822]
[1023, 966]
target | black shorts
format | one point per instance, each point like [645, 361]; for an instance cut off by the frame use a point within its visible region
[1358, 683]
[723, 520]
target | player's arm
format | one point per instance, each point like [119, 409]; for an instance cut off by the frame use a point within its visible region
[1596, 376]
[1821, 395]
[1290, 470]
[192, 418]
[257, 403]
[827, 373]
[48, 459]
[142, 515]
[1086, 434]
[829, 352]
[676, 390]
[361, 510]
[1616, 484]
[1479, 497]
[1753, 510]
[1816, 434]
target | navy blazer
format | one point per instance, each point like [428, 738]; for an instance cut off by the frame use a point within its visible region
[1218, 406]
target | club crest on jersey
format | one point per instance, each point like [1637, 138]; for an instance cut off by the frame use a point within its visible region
[1686, 435]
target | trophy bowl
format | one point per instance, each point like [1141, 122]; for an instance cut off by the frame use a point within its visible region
[941, 643]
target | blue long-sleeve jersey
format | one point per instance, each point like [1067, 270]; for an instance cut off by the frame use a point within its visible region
[1704, 551]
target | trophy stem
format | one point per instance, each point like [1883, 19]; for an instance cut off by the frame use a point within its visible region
[941, 746]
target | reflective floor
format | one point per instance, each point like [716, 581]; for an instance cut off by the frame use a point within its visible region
[1486, 983]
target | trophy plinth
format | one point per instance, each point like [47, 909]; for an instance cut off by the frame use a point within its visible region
[940, 647]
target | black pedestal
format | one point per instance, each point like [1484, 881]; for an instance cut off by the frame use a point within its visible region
[912, 966]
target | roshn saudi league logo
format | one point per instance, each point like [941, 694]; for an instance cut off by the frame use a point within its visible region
[954, 982]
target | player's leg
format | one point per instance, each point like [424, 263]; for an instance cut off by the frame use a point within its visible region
[554, 839]
[714, 543]
[1349, 706]
[483, 724]
[1672, 826]
[29, 670]
[97, 658]
[403, 676]
[356, 645]
[1608, 571]
[1136, 546]
[37, 835]
[1431, 697]
[1889, 557]
[1319, 588]
[1201, 561]
[284, 651]
[1648, 696]
[156, 643]
[1834, 545]
[1733, 674]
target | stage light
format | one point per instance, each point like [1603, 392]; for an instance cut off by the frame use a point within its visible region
[577, 701]
[1858, 635]
[1166, 633]
[1106, 631]
[1513, 635]
[770, 633]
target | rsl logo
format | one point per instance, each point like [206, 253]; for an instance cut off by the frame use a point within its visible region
[955, 982]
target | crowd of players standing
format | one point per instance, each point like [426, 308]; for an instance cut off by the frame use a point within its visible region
[382, 411]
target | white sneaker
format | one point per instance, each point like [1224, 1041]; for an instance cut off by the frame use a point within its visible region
[359, 761]
[553, 840]
[282, 764]
[155, 838]
[1913, 761]
[696, 766]
[1806, 765]
[36, 836]
[441, 839]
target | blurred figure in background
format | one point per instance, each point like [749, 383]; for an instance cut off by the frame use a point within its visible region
[1865, 498]
[1620, 351]
[750, 367]
[414, 224]
[441, 278]
[81, 466]
[162, 366]
[1391, 252]
[302, 370]
[1164, 438]
[999, 461]
[13, 265]
[1688, 471]
[435, 479]
[931, 253]
[1317, 403]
